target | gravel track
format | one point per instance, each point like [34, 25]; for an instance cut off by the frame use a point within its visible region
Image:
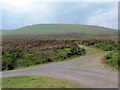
[88, 71]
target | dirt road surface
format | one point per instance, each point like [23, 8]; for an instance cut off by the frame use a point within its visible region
[88, 71]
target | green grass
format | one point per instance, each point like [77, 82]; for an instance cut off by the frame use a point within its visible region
[90, 51]
[0, 83]
[113, 59]
[87, 30]
[37, 82]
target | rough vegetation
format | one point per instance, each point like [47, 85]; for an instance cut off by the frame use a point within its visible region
[17, 53]
[25, 52]
[113, 59]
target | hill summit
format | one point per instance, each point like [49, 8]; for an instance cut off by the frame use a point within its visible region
[64, 29]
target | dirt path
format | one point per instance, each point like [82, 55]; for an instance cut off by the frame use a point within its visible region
[87, 70]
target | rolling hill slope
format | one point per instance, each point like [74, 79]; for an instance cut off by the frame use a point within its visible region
[64, 30]
[5, 30]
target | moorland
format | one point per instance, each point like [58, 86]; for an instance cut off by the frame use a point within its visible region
[50, 44]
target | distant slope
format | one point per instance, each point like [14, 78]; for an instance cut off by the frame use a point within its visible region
[59, 29]
[5, 30]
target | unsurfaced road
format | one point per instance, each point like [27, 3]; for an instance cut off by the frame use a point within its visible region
[88, 71]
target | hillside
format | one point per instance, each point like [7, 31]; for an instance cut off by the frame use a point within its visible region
[61, 30]
[5, 30]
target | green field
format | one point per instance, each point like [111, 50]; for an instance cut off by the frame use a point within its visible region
[69, 29]
[37, 82]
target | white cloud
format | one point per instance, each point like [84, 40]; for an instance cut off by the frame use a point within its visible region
[35, 11]
[21, 2]
[23, 6]
[107, 19]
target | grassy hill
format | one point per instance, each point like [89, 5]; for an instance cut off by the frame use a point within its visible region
[5, 30]
[64, 30]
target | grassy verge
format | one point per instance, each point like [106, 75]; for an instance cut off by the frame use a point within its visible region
[90, 51]
[0, 83]
[113, 60]
[37, 82]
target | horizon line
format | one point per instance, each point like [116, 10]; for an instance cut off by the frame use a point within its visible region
[56, 24]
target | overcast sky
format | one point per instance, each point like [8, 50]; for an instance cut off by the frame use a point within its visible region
[22, 13]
